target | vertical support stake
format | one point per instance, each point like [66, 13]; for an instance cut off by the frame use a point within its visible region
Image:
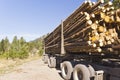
[44, 49]
[62, 40]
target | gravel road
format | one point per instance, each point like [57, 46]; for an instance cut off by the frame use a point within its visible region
[34, 70]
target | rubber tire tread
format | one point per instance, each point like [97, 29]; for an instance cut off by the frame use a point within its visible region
[83, 69]
[52, 62]
[91, 70]
[46, 59]
[69, 68]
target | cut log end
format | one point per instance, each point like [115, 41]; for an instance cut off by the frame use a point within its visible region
[93, 15]
[99, 49]
[94, 45]
[89, 22]
[110, 3]
[102, 1]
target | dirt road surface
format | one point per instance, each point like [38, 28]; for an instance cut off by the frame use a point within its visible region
[34, 70]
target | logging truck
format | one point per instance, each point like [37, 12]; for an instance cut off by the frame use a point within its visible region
[86, 45]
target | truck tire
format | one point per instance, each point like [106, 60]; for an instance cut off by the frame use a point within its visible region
[81, 72]
[52, 62]
[91, 70]
[67, 69]
[46, 59]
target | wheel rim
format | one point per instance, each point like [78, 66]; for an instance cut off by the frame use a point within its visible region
[65, 70]
[78, 75]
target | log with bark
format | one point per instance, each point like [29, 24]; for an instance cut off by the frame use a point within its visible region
[93, 27]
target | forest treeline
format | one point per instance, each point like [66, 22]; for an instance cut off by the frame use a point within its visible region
[19, 48]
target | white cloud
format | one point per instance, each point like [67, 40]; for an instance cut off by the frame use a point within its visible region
[27, 37]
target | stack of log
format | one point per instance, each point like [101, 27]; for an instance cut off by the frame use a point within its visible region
[93, 27]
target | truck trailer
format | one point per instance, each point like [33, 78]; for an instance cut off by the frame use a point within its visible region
[86, 45]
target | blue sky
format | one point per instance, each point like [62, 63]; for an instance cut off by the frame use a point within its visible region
[33, 18]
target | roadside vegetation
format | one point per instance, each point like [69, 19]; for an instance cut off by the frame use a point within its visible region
[18, 52]
[19, 48]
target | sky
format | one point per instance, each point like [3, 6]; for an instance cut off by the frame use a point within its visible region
[33, 18]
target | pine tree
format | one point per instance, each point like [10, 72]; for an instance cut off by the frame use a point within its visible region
[106, 1]
[116, 4]
[2, 46]
[14, 48]
[23, 48]
[7, 47]
[7, 44]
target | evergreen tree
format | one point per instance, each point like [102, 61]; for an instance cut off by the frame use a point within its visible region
[116, 4]
[2, 46]
[106, 1]
[7, 44]
[14, 48]
[22, 41]
[23, 48]
[19, 48]
[7, 47]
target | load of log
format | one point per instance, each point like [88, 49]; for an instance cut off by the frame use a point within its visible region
[93, 27]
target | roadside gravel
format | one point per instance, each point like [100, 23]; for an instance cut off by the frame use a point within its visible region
[34, 70]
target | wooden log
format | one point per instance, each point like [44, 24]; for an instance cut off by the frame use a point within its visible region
[94, 45]
[101, 44]
[55, 45]
[71, 26]
[89, 42]
[82, 19]
[99, 49]
[102, 15]
[109, 42]
[54, 39]
[107, 19]
[78, 49]
[101, 29]
[89, 22]
[76, 33]
[80, 31]
[94, 38]
[75, 26]
[49, 39]
[96, 5]
[93, 27]
[83, 7]
[116, 46]
[108, 4]
[76, 44]
[118, 16]
[98, 10]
